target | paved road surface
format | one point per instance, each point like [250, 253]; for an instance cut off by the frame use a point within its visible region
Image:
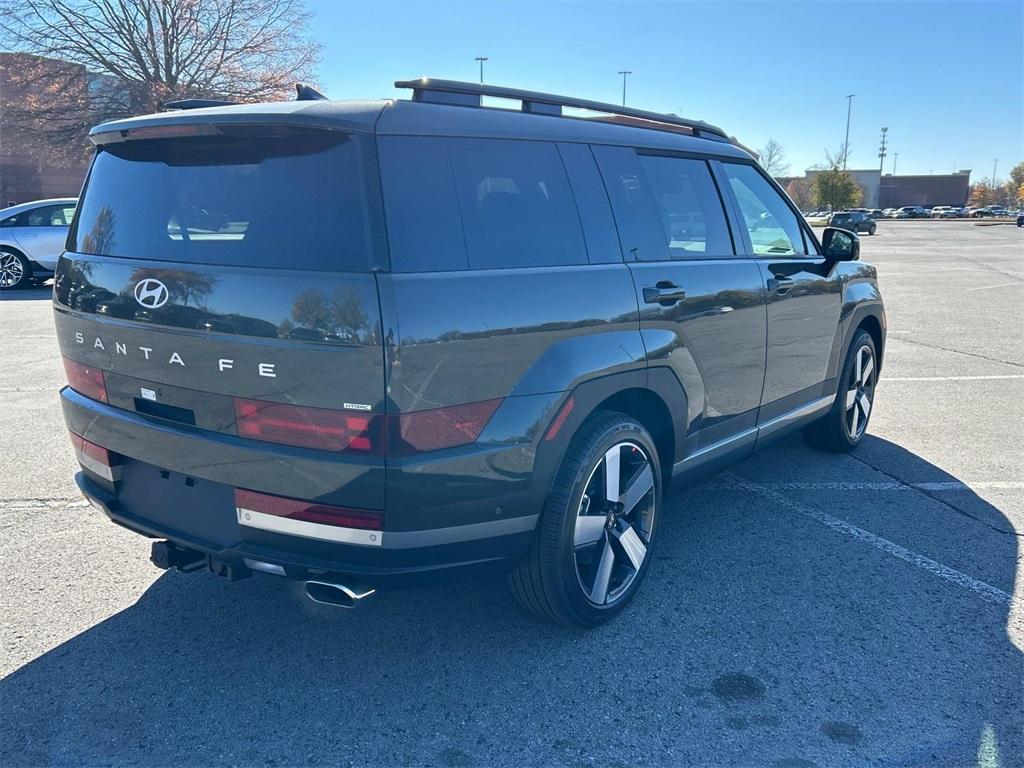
[803, 609]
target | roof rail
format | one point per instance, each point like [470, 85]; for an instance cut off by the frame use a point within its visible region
[469, 95]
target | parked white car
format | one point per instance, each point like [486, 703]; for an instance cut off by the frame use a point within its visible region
[32, 238]
[945, 212]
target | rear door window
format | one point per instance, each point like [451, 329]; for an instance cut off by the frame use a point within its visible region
[50, 216]
[691, 210]
[641, 231]
[296, 201]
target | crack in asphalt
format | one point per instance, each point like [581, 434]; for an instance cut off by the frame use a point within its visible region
[43, 501]
[956, 351]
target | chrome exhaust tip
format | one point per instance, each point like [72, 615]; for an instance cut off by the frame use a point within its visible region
[339, 595]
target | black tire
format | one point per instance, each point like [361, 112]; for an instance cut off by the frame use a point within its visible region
[841, 430]
[549, 582]
[15, 270]
[872, 230]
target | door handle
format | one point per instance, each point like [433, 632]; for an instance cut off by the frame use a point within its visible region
[780, 284]
[664, 292]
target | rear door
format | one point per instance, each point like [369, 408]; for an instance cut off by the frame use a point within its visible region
[803, 289]
[44, 231]
[216, 278]
[702, 308]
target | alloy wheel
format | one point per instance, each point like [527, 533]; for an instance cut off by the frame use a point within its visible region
[11, 270]
[860, 393]
[614, 523]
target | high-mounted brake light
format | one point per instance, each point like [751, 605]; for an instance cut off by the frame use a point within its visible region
[308, 518]
[320, 428]
[96, 458]
[86, 380]
[170, 131]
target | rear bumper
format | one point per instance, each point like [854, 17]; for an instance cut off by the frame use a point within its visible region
[178, 484]
[302, 559]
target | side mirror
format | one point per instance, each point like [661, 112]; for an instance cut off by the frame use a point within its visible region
[840, 244]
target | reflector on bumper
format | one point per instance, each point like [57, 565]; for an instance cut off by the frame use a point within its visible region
[97, 459]
[308, 519]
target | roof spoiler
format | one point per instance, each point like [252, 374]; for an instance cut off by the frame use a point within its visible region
[197, 103]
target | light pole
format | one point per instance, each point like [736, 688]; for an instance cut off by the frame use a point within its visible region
[881, 151]
[624, 72]
[895, 157]
[481, 59]
[994, 163]
[846, 144]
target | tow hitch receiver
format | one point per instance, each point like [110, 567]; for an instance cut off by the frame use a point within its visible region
[167, 555]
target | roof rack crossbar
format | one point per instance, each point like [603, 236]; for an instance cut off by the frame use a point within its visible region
[428, 89]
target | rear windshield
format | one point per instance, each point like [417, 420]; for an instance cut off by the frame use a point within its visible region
[294, 201]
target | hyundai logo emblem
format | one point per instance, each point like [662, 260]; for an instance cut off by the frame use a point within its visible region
[150, 293]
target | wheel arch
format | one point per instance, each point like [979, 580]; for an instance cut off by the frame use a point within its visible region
[873, 326]
[654, 397]
[862, 307]
[6, 245]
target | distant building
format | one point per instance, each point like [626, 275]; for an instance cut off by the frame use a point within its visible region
[927, 190]
[35, 164]
[890, 191]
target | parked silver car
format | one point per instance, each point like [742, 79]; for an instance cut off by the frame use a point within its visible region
[32, 238]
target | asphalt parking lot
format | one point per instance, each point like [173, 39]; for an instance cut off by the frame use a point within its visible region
[804, 610]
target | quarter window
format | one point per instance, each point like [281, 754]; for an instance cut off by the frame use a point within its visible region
[517, 207]
[771, 224]
[691, 210]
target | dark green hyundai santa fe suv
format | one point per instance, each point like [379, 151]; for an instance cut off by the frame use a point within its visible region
[362, 344]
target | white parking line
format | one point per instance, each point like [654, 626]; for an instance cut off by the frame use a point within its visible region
[993, 377]
[997, 285]
[1000, 485]
[986, 591]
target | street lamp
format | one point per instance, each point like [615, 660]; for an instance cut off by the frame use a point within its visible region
[846, 143]
[624, 72]
[881, 152]
[481, 59]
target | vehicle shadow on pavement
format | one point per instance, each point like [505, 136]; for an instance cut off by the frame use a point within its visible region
[761, 637]
[35, 293]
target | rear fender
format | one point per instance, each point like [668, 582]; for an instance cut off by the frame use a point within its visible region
[588, 397]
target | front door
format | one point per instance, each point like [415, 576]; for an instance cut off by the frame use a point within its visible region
[702, 310]
[803, 289]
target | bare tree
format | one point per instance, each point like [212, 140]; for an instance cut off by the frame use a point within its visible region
[122, 57]
[773, 158]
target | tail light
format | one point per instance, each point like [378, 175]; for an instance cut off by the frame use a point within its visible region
[330, 430]
[86, 380]
[441, 427]
[97, 459]
[308, 518]
[320, 428]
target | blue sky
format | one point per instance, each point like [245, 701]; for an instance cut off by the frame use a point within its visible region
[946, 78]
